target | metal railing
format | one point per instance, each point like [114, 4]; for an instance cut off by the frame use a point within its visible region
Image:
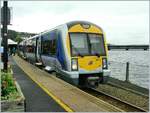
[130, 72]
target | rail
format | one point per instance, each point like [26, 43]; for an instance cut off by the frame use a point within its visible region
[126, 106]
[129, 87]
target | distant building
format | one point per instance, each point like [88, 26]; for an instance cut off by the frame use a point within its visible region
[11, 44]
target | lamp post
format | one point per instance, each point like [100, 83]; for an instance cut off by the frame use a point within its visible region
[5, 33]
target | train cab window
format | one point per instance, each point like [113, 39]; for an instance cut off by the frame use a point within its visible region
[87, 44]
[96, 44]
[79, 44]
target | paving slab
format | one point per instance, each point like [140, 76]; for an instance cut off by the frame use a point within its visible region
[36, 99]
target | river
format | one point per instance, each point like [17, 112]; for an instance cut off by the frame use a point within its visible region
[138, 65]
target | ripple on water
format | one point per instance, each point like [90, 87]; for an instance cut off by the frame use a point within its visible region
[138, 68]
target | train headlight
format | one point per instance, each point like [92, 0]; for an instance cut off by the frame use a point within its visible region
[104, 60]
[85, 26]
[74, 64]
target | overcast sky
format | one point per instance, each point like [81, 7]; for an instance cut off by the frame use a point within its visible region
[125, 22]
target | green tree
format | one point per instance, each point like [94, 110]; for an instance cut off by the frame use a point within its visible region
[12, 34]
[18, 39]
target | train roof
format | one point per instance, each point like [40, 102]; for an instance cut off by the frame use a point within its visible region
[32, 37]
[70, 24]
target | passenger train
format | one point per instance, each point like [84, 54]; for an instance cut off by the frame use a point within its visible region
[77, 51]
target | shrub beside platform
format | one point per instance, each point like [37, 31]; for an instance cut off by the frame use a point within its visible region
[12, 100]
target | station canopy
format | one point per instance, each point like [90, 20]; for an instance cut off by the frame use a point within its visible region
[11, 42]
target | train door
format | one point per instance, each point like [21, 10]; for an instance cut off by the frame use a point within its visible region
[24, 49]
[48, 44]
[38, 50]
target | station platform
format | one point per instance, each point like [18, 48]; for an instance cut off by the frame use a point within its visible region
[36, 99]
[61, 96]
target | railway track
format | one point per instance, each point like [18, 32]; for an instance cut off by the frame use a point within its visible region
[128, 107]
[115, 101]
[128, 86]
[128, 89]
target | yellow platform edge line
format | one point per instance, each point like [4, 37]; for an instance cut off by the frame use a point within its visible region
[68, 109]
[62, 104]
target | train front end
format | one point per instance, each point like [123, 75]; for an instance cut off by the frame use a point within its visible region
[87, 50]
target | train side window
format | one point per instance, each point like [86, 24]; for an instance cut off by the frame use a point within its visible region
[45, 45]
[30, 47]
[34, 45]
[49, 43]
[38, 44]
[53, 36]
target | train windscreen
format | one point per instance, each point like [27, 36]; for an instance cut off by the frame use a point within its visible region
[97, 44]
[79, 44]
[83, 44]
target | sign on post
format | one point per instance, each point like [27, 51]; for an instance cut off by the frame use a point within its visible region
[8, 15]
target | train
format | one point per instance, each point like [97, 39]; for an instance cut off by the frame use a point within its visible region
[77, 51]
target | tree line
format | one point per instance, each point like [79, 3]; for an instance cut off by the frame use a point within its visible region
[18, 36]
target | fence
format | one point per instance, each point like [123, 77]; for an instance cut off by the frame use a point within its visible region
[129, 72]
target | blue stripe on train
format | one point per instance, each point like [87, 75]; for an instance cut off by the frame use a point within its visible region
[60, 53]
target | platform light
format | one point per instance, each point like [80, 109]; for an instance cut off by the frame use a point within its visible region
[74, 64]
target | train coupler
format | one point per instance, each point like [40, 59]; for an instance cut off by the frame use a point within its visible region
[92, 82]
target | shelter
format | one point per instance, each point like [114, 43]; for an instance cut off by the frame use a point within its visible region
[11, 44]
